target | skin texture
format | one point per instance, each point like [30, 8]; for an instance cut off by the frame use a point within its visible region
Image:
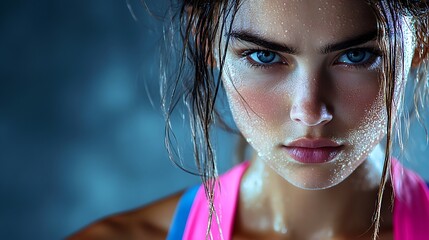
[310, 94]
[305, 94]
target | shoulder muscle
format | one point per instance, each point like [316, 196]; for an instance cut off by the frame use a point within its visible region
[150, 222]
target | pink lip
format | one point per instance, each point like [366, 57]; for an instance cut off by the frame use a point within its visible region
[307, 150]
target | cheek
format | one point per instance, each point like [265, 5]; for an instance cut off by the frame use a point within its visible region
[259, 115]
[256, 99]
[364, 117]
[356, 100]
[249, 99]
[261, 108]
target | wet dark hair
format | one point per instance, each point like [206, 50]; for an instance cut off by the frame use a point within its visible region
[388, 14]
[202, 25]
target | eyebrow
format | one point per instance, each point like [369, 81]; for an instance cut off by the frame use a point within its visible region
[247, 36]
[353, 41]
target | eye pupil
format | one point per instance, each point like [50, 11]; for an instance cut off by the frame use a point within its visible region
[356, 55]
[265, 56]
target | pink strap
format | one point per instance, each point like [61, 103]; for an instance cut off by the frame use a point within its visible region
[410, 217]
[411, 206]
[225, 206]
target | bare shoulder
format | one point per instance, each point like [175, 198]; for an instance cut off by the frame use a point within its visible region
[148, 222]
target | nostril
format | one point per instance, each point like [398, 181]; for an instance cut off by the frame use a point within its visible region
[326, 116]
[311, 116]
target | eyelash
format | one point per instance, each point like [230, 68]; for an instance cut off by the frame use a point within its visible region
[375, 53]
[246, 54]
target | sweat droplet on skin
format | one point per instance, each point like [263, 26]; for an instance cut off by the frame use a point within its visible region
[264, 134]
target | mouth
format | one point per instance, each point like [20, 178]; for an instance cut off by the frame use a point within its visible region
[310, 151]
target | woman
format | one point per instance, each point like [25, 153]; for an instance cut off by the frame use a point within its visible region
[313, 86]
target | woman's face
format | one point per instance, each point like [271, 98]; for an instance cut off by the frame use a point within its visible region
[302, 79]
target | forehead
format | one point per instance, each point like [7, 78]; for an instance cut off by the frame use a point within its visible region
[296, 20]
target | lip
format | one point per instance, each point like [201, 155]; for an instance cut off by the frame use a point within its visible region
[309, 151]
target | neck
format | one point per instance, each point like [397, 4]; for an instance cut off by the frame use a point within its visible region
[274, 205]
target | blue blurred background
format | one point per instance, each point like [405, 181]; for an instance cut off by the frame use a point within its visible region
[79, 137]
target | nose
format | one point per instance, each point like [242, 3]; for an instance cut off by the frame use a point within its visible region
[308, 108]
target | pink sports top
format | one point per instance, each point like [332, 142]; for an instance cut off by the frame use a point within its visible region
[410, 212]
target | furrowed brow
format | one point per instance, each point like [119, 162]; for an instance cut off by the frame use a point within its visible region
[245, 36]
[353, 41]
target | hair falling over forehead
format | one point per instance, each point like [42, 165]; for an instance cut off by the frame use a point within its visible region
[196, 82]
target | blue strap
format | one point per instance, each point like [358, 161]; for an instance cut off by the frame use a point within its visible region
[183, 208]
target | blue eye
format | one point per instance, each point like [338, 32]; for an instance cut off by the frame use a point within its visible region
[356, 56]
[264, 57]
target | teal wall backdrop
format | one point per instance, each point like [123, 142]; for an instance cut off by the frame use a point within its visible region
[79, 137]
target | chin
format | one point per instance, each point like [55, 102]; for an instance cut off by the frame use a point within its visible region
[314, 179]
[313, 176]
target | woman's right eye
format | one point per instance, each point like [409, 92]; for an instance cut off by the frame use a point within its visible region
[263, 57]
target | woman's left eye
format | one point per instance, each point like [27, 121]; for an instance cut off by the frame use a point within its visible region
[356, 57]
